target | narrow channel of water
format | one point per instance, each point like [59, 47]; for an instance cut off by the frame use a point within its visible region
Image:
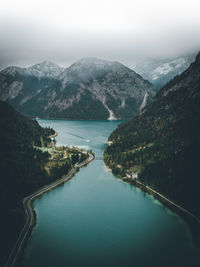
[97, 220]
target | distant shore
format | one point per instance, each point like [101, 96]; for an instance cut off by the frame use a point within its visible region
[68, 119]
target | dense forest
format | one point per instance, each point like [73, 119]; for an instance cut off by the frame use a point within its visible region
[22, 169]
[160, 147]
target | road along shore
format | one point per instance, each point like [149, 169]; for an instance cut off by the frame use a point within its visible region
[189, 218]
[30, 221]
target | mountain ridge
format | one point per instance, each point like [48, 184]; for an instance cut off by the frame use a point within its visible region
[160, 71]
[92, 88]
[18, 85]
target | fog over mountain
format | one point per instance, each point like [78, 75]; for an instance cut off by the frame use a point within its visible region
[125, 31]
[160, 71]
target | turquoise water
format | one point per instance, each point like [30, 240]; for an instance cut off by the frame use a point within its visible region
[95, 219]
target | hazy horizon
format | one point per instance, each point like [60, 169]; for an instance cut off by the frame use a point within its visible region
[125, 31]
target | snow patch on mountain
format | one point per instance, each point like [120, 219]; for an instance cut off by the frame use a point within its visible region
[24, 100]
[144, 101]
[14, 89]
[123, 103]
[160, 71]
[111, 114]
[12, 71]
[168, 67]
[45, 69]
[91, 61]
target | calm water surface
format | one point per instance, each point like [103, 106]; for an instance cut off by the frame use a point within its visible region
[97, 220]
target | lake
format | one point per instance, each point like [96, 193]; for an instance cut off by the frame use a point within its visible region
[96, 220]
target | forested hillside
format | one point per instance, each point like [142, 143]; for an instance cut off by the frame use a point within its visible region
[160, 147]
[20, 168]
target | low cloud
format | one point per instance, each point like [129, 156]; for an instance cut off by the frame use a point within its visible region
[126, 31]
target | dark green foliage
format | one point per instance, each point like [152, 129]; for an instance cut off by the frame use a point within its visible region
[21, 168]
[85, 109]
[75, 158]
[58, 171]
[164, 141]
[83, 157]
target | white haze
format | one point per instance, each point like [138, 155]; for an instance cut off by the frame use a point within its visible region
[127, 31]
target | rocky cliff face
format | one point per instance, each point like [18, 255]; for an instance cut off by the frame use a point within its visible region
[93, 89]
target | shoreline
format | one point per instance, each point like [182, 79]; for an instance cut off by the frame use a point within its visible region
[188, 217]
[65, 119]
[31, 218]
[192, 221]
[53, 135]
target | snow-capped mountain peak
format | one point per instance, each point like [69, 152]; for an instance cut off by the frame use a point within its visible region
[13, 70]
[160, 71]
[45, 69]
[90, 67]
[18, 85]
[92, 63]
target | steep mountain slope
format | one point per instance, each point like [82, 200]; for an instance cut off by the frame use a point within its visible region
[161, 146]
[18, 85]
[93, 89]
[160, 71]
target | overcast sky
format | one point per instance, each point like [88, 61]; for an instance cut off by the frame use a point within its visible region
[63, 31]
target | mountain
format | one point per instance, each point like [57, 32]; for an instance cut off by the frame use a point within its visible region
[18, 85]
[160, 147]
[92, 88]
[160, 71]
